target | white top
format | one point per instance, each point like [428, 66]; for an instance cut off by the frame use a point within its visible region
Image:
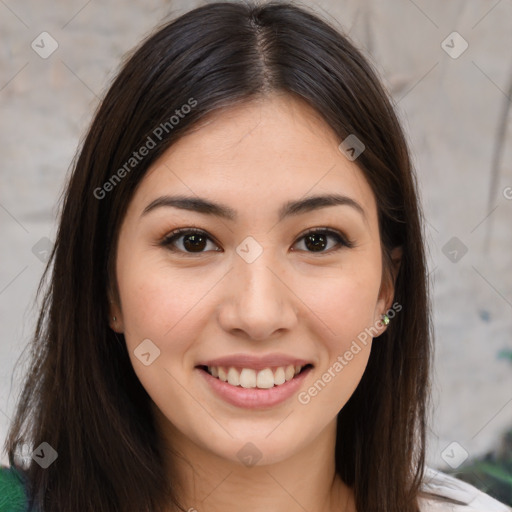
[445, 493]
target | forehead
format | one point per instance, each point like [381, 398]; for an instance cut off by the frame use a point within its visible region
[255, 154]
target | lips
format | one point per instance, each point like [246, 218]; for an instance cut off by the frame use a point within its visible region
[255, 397]
[250, 372]
[253, 362]
[250, 378]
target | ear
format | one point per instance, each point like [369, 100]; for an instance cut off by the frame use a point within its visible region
[115, 318]
[387, 289]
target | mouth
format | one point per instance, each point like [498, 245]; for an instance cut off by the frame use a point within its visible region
[249, 378]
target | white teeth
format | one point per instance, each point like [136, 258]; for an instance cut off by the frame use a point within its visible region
[279, 377]
[233, 377]
[265, 379]
[249, 378]
[222, 374]
[289, 372]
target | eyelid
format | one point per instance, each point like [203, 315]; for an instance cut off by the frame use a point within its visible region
[342, 239]
[335, 233]
[167, 240]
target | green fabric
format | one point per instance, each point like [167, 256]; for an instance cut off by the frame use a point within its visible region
[12, 491]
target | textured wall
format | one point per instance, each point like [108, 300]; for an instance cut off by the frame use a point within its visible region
[453, 97]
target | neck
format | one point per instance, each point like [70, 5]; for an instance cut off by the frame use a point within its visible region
[306, 480]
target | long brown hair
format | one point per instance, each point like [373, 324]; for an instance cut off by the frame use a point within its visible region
[81, 395]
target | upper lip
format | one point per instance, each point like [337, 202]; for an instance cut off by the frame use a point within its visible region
[255, 362]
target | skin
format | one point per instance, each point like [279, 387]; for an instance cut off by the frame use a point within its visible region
[196, 306]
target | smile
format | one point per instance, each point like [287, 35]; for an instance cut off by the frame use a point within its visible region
[249, 378]
[262, 390]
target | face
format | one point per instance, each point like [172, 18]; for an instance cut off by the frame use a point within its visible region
[267, 288]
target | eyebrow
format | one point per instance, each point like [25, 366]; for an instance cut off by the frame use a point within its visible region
[290, 208]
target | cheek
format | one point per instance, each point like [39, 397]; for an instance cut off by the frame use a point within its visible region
[153, 306]
[343, 309]
[343, 302]
[161, 304]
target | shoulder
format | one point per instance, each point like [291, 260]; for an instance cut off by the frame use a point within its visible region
[12, 490]
[444, 493]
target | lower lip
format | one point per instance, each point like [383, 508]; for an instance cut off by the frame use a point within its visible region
[255, 398]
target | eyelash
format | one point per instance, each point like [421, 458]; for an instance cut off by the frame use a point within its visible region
[341, 240]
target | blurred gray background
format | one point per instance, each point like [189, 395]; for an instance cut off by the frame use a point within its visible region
[453, 93]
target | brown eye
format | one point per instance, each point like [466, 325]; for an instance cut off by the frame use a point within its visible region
[317, 240]
[188, 241]
[196, 241]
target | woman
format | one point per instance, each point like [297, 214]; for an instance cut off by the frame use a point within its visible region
[238, 311]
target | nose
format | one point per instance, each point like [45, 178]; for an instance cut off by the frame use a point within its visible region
[258, 302]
